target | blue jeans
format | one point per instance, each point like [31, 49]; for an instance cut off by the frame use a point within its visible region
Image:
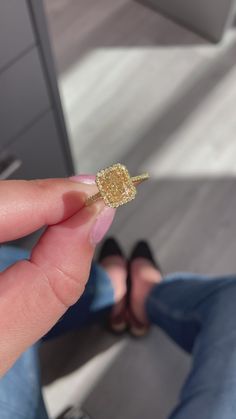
[198, 313]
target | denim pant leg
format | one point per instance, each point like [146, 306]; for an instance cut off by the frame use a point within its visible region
[20, 388]
[199, 314]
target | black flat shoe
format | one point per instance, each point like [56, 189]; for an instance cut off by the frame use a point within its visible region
[117, 323]
[110, 247]
[141, 250]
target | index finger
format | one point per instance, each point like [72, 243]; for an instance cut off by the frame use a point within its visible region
[25, 206]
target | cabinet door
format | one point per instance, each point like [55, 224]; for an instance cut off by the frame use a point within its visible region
[23, 96]
[16, 33]
[38, 151]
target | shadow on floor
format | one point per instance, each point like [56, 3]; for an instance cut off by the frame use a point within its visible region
[190, 223]
[153, 366]
[116, 29]
[62, 355]
[149, 374]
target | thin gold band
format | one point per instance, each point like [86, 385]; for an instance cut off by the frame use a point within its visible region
[135, 179]
[140, 178]
[91, 199]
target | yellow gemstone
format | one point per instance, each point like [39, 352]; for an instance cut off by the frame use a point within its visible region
[115, 185]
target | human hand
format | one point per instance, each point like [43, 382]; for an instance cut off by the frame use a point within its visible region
[34, 294]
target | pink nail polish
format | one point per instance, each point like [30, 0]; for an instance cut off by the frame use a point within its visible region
[102, 224]
[87, 179]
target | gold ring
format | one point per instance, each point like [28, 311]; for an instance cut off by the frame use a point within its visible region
[116, 186]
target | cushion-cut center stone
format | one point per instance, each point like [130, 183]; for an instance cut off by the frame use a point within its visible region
[115, 185]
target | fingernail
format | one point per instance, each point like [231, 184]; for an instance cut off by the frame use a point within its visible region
[102, 225]
[87, 179]
[105, 216]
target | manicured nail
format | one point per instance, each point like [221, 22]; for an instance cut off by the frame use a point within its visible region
[102, 225]
[87, 179]
[104, 218]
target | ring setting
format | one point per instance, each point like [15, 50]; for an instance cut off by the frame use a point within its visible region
[115, 185]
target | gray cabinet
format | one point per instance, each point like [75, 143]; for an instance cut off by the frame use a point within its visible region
[31, 117]
[25, 94]
[33, 137]
[16, 30]
[35, 150]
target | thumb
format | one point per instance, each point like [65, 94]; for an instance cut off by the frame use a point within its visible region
[64, 253]
[36, 293]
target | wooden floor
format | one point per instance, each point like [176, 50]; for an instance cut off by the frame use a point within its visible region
[141, 90]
